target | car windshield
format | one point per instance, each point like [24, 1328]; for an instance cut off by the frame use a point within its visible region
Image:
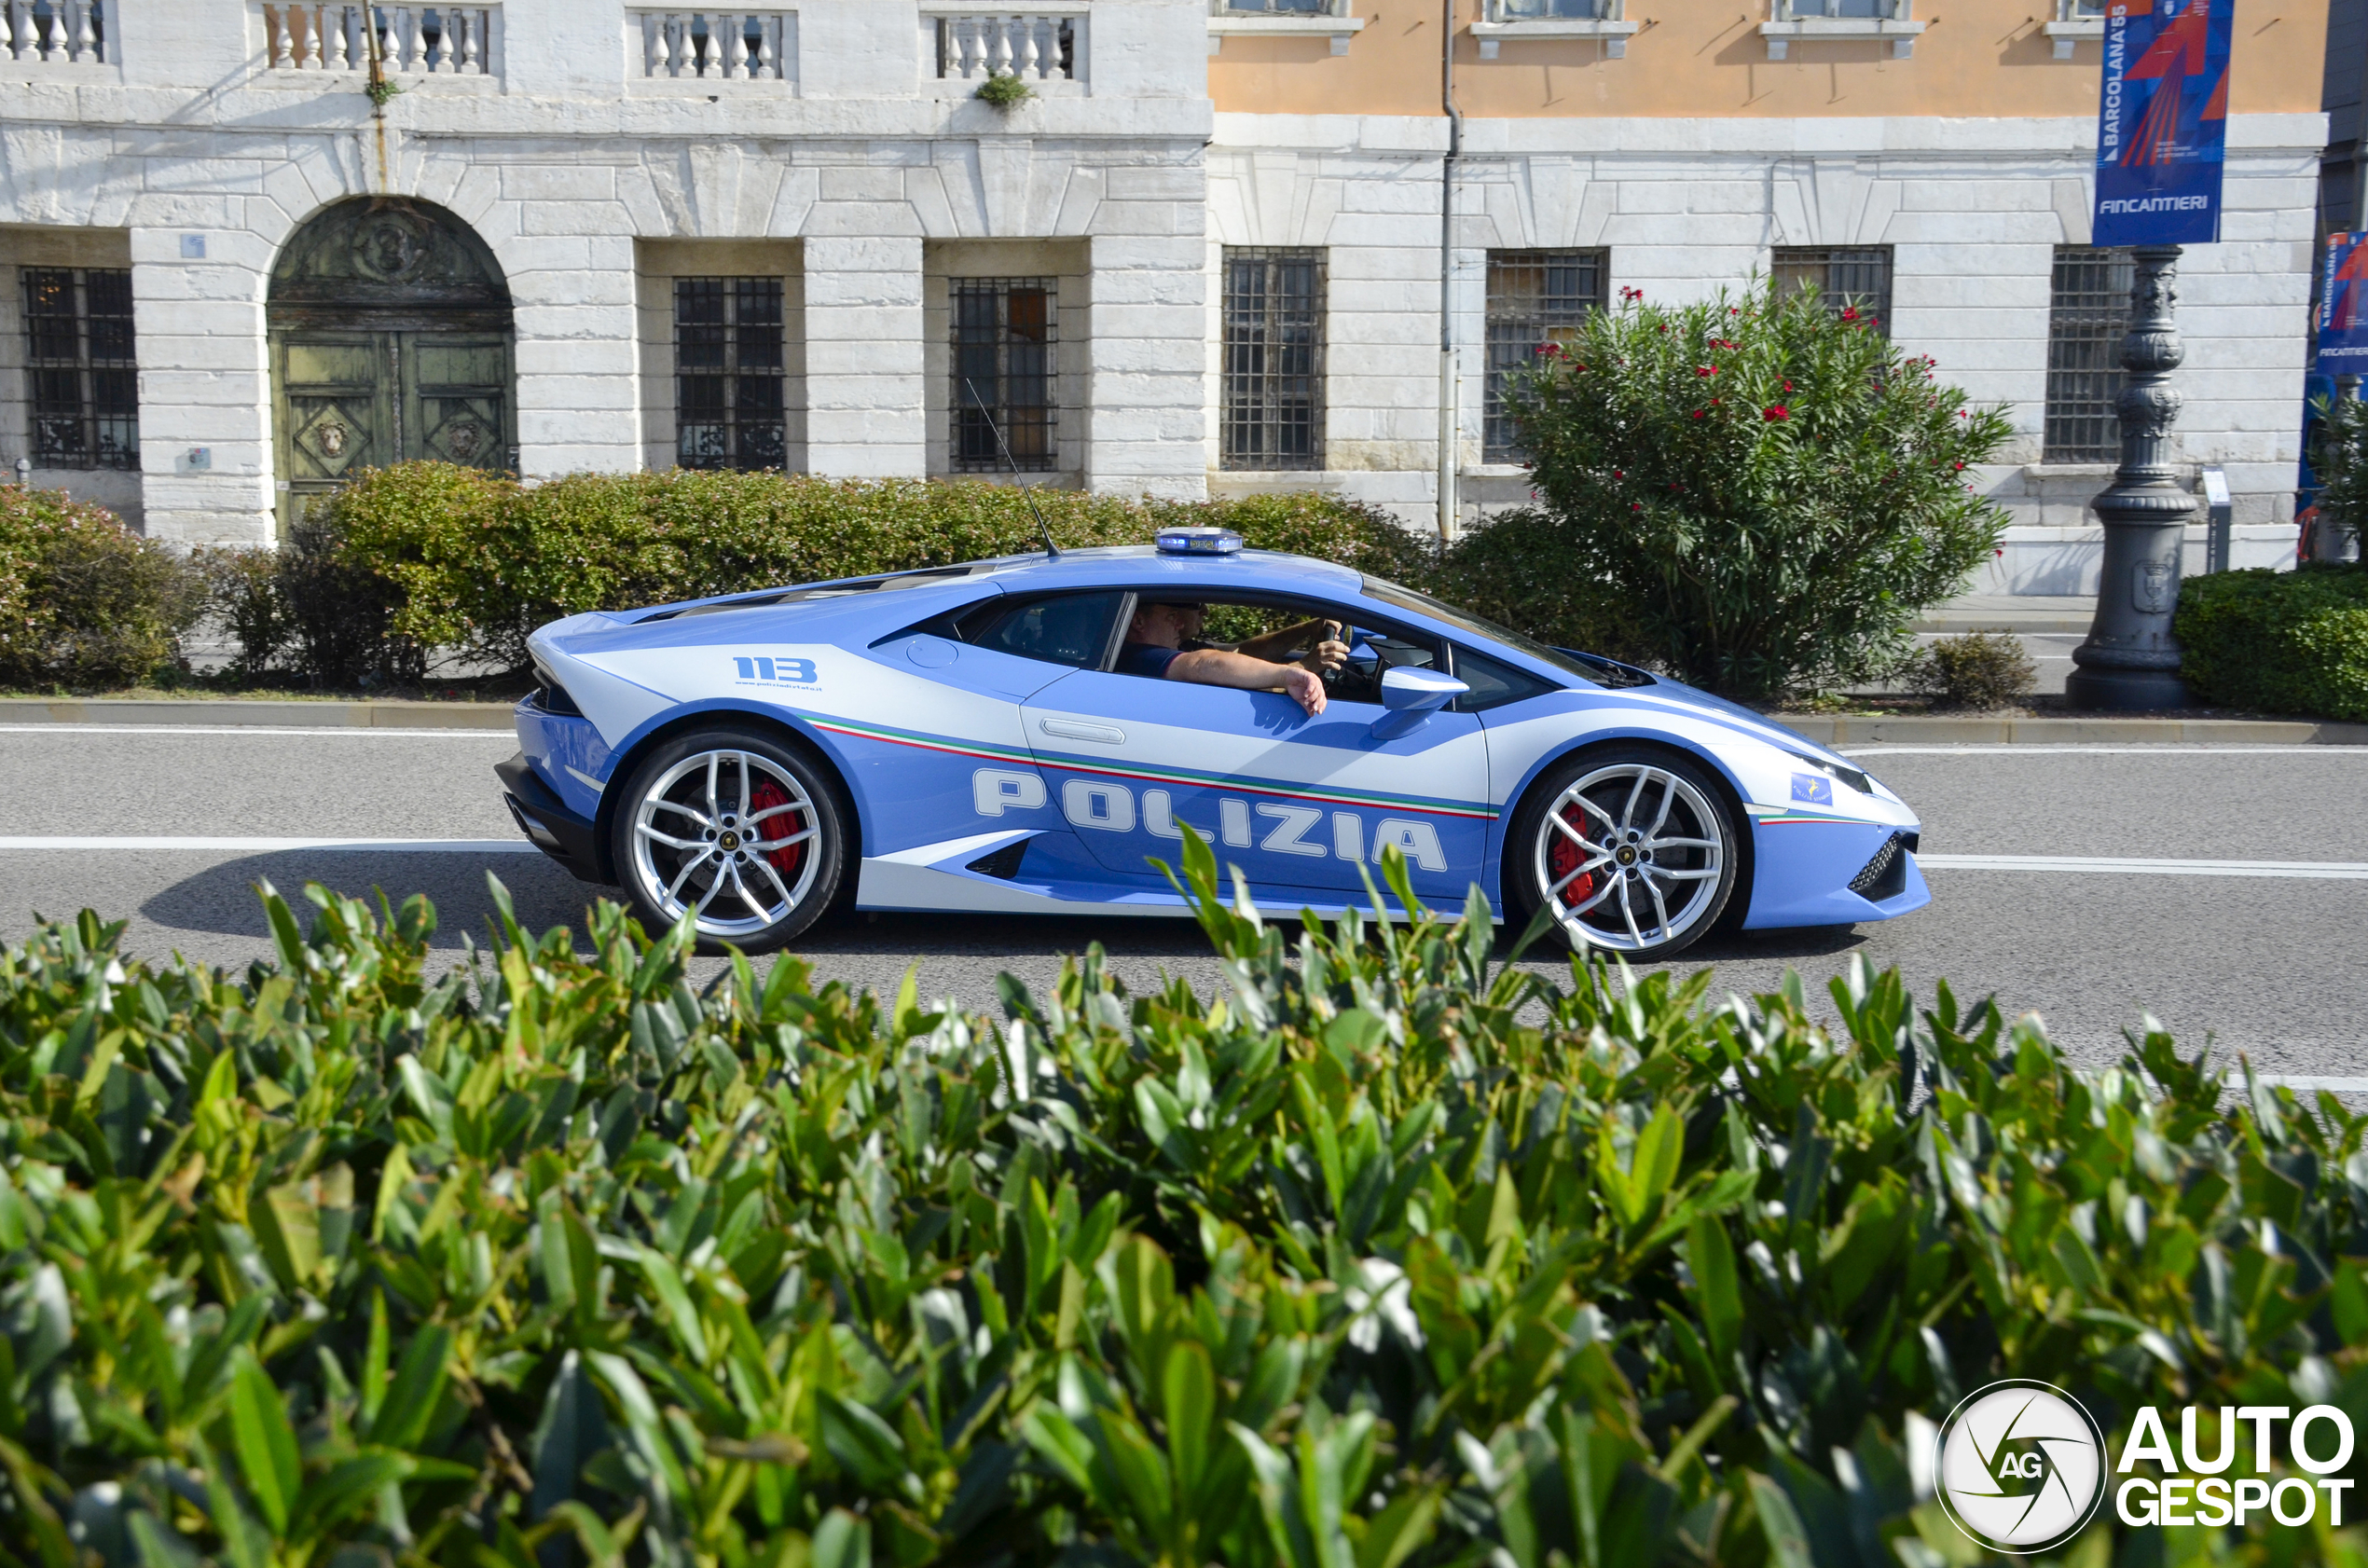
[1463, 620]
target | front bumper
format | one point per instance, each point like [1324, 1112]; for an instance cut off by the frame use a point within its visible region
[571, 840]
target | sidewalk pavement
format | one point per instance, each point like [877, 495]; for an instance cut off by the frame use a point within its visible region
[2016, 613]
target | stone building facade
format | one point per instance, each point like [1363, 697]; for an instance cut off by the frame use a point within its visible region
[1203, 256]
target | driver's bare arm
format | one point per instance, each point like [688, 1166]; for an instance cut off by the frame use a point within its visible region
[1221, 666]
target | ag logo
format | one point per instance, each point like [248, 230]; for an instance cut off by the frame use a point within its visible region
[2021, 1467]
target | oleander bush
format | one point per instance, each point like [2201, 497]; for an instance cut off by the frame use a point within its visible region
[477, 561]
[2277, 642]
[84, 601]
[1975, 669]
[1510, 569]
[1772, 489]
[1388, 1256]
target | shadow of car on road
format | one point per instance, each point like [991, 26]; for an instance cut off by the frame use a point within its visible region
[222, 899]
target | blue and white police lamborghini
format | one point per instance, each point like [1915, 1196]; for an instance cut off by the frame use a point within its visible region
[968, 738]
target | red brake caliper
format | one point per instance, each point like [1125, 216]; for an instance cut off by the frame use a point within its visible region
[764, 797]
[1563, 857]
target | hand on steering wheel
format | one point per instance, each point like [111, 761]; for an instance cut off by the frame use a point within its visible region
[1330, 654]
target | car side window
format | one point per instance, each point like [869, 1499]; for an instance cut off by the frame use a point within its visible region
[1493, 684]
[1287, 630]
[1061, 628]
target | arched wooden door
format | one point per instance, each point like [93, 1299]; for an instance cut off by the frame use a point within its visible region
[390, 342]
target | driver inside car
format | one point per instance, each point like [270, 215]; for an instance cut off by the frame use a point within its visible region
[1163, 642]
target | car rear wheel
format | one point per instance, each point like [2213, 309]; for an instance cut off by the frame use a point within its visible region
[1634, 849]
[736, 827]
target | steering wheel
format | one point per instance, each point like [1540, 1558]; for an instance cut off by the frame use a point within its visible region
[1331, 631]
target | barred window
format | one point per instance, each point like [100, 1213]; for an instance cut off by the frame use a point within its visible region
[1274, 415]
[1004, 341]
[1857, 278]
[1535, 297]
[80, 373]
[728, 365]
[2087, 317]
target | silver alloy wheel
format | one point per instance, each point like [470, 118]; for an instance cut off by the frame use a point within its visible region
[1618, 849]
[697, 845]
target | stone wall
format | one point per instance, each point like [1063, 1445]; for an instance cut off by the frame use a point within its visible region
[1972, 208]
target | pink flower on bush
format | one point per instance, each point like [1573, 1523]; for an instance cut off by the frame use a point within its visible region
[1775, 413]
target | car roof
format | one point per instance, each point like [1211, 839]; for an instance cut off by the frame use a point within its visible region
[1145, 565]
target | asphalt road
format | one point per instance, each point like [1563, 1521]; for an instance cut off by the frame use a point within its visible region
[2271, 966]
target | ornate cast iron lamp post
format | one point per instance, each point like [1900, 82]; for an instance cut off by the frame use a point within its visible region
[2129, 661]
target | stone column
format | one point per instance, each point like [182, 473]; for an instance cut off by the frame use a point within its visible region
[205, 385]
[2129, 661]
[1147, 351]
[864, 411]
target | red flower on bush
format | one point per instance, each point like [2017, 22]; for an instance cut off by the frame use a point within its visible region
[1775, 413]
[1850, 312]
[1700, 412]
[1705, 370]
[1788, 386]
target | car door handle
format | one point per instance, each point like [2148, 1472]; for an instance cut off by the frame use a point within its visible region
[1071, 729]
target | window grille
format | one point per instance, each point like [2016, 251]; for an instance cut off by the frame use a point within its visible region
[1857, 278]
[1535, 297]
[1274, 415]
[1005, 331]
[2087, 317]
[83, 383]
[1553, 10]
[1884, 10]
[728, 366]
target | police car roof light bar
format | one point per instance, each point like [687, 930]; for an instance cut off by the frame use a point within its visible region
[1050, 553]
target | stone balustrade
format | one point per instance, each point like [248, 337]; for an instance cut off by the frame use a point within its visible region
[55, 33]
[410, 40]
[715, 45]
[1038, 46]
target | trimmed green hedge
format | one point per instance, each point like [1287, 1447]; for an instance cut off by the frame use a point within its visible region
[84, 601]
[481, 560]
[1386, 1258]
[2277, 642]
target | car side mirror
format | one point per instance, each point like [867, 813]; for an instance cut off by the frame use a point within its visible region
[1411, 695]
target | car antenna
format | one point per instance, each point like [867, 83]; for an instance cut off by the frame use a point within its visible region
[1042, 527]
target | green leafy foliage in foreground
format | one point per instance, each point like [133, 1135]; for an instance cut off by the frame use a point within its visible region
[2277, 642]
[1384, 1259]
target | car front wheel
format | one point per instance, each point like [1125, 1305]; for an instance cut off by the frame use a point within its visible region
[1634, 849]
[733, 825]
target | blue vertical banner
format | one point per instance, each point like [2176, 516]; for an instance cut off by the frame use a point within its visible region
[2343, 306]
[2162, 122]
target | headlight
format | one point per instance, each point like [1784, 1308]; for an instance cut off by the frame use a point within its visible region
[1848, 776]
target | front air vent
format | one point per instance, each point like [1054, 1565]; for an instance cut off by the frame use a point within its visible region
[1885, 876]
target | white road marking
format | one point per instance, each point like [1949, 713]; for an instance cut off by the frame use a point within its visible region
[507, 735]
[2193, 748]
[2305, 1085]
[283, 845]
[2112, 865]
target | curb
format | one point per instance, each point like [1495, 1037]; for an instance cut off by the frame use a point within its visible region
[1837, 731]
[271, 715]
[1843, 731]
